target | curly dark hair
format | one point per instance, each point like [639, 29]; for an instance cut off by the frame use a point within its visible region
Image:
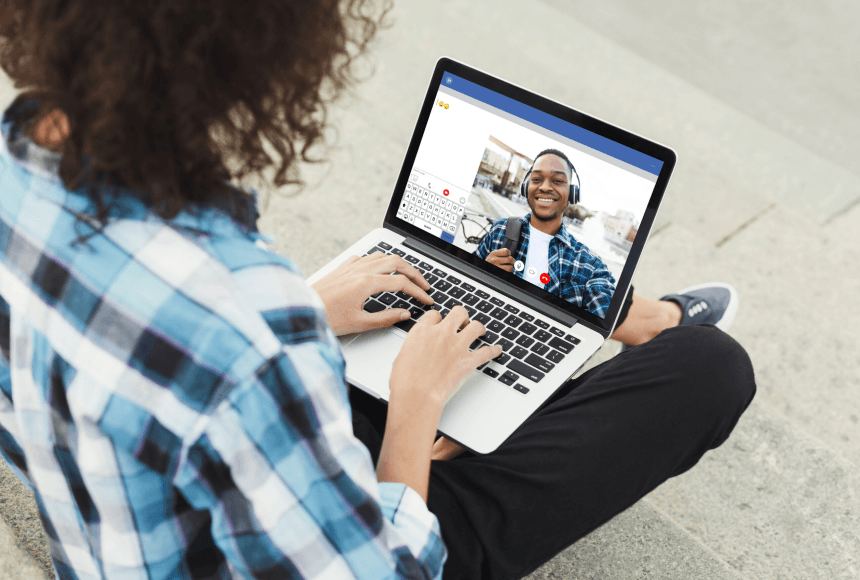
[175, 98]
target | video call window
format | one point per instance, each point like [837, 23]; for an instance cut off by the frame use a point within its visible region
[479, 167]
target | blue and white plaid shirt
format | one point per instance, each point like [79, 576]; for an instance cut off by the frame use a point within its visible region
[575, 274]
[173, 395]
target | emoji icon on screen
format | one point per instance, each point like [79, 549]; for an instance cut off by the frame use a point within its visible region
[445, 192]
[446, 105]
[441, 104]
[544, 278]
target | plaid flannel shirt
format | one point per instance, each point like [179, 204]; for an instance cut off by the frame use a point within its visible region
[575, 274]
[174, 397]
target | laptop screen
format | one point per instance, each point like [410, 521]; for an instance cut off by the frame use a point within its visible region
[487, 163]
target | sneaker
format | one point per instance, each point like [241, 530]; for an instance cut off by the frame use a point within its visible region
[713, 303]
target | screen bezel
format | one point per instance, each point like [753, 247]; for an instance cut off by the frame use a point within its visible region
[565, 113]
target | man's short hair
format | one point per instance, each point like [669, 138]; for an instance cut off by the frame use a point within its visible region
[560, 154]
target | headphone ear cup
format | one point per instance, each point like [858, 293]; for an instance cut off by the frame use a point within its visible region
[574, 195]
[524, 186]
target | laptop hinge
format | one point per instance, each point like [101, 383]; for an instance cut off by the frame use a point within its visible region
[548, 310]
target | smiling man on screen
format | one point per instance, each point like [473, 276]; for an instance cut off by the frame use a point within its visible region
[547, 255]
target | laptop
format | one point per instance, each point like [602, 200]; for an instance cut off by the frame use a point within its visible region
[474, 145]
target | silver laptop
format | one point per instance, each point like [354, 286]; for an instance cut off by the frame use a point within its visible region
[461, 185]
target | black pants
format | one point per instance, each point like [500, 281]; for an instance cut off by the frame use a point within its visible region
[601, 443]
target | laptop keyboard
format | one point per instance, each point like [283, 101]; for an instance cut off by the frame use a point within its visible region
[531, 346]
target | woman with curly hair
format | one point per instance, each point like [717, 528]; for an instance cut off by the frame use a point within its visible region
[171, 390]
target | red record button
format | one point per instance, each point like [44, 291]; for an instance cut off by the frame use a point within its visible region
[445, 192]
[544, 278]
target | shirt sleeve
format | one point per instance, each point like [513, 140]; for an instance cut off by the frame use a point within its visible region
[486, 246]
[292, 492]
[599, 289]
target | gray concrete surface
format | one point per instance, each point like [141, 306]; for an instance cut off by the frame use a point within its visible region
[759, 103]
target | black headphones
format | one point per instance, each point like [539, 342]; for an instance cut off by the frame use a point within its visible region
[572, 199]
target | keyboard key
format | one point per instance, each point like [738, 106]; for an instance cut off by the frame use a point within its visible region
[456, 292]
[519, 352]
[475, 344]
[521, 388]
[571, 338]
[444, 312]
[442, 285]
[512, 320]
[398, 252]
[541, 324]
[388, 299]
[430, 278]
[495, 326]
[484, 306]
[470, 299]
[373, 306]
[453, 280]
[482, 366]
[405, 325]
[440, 273]
[512, 309]
[527, 328]
[525, 341]
[426, 266]
[542, 336]
[383, 245]
[539, 348]
[411, 259]
[509, 378]
[539, 363]
[467, 287]
[491, 337]
[482, 318]
[503, 358]
[452, 302]
[438, 307]
[482, 294]
[525, 370]
[510, 333]
[505, 344]
[496, 301]
[416, 312]
[472, 312]
[401, 304]
[374, 250]
[561, 345]
[498, 314]
[527, 316]
[490, 372]
[403, 295]
[555, 356]
[557, 332]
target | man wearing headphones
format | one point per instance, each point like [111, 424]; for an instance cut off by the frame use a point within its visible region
[547, 255]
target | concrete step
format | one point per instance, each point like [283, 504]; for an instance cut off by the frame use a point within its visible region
[641, 542]
[15, 562]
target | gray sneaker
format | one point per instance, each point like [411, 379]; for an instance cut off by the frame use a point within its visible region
[713, 303]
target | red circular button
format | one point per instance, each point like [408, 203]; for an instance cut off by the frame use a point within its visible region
[445, 192]
[544, 278]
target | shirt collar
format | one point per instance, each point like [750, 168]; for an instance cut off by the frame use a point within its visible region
[562, 234]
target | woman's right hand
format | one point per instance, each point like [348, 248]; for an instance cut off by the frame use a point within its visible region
[435, 357]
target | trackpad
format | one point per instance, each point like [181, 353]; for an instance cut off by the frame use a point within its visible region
[369, 359]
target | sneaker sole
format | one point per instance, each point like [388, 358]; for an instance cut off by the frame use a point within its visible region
[729, 315]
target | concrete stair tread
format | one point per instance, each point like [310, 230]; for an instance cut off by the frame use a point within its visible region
[641, 542]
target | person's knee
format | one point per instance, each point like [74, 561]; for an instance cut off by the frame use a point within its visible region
[718, 367]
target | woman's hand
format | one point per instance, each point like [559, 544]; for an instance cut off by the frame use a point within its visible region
[345, 289]
[435, 357]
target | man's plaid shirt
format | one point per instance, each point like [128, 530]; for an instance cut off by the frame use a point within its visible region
[174, 397]
[575, 274]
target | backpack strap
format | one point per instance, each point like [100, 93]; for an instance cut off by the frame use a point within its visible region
[512, 234]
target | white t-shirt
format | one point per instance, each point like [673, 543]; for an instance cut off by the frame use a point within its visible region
[537, 260]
